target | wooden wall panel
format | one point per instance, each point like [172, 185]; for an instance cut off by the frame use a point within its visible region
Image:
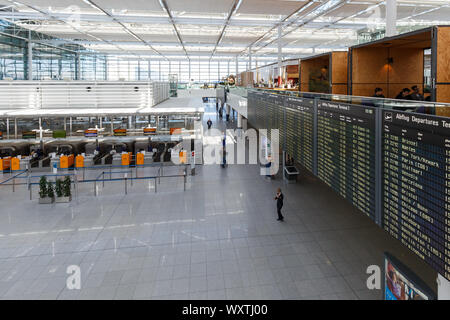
[339, 89]
[368, 90]
[369, 66]
[443, 93]
[443, 55]
[339, 70]
[407, 67]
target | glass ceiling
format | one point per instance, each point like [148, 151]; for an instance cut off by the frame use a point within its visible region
[170, 29]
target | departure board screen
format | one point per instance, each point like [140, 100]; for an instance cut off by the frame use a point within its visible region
[346, 152]
[300, 130]
[416, 185]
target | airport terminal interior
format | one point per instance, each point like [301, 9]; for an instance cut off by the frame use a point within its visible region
[224, 150]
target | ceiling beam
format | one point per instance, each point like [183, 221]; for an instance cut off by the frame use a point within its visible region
[234, 9]
[333, 7]
[164, 5]
[49, 15]
[124, 27]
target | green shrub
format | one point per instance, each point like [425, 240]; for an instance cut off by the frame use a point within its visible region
[66, 187]
[50, 191]
[59, 188]
[43, 190]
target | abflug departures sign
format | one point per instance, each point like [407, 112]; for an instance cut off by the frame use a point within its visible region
[346, 152]
[416, 184]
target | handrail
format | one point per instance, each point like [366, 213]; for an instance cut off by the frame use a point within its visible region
[14, 177]
[379, 102]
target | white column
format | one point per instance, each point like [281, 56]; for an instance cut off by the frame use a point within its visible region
[237, 66]
[280, 51]
[30, 57]
[391, 18]
[249, 58]
[190, 70]
[149, 75]
[239, 121]
[78, 68]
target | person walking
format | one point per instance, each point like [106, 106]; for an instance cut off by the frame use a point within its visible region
[279, 197]
[209, 123]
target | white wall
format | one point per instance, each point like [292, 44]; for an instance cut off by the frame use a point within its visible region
[443, 288]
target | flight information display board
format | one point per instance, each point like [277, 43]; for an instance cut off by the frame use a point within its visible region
[300, 130]
[416, 185]
[346, 152]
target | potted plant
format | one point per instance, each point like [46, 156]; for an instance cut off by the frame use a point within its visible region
[59, 188]
[64, 194]
[50, 191]
[44, 197]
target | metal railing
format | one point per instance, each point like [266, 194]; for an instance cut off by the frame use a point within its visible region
[100, 178]
[384, 103]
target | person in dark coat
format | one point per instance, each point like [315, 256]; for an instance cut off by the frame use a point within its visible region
[209, 123]
[279, 197]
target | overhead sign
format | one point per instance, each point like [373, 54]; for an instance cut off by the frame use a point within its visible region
[149, 131]
[90, 133]
[120, 132]
[29, 135]
[59, 134]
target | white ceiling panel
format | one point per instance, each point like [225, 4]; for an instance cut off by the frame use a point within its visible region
[269, 7]
[201, 6]
[128, 5]
[55, 4]
[200, 23]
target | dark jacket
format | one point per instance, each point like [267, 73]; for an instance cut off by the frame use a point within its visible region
[279, 199]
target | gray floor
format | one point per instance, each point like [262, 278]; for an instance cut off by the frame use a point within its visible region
[219, 239]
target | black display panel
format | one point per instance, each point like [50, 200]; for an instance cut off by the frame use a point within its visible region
[346, 152]
[416, 185]
[300, 130]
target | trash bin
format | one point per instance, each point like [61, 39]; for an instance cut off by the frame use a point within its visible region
[290, 174]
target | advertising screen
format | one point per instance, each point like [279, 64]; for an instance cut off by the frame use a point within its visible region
[402, 284]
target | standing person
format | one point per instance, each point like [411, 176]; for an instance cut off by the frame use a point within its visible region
[209, 123]
[279, 197]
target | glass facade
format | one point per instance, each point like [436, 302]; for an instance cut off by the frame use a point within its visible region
[55, 59]
[52, 59]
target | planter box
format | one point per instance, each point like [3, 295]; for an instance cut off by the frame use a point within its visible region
[46, 200]
[63, 199]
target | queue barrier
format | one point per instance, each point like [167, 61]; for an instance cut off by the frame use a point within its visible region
[75, 180]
